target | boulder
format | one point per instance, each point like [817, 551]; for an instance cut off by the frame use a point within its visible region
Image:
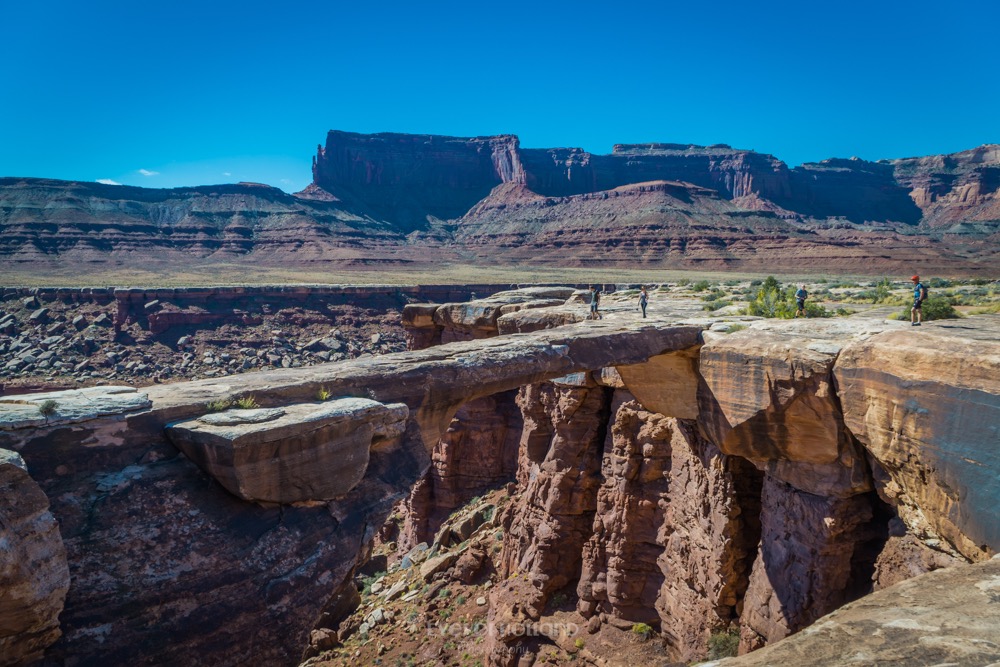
[301, 452]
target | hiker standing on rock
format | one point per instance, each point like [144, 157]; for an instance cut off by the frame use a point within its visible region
[919, 295]
[595, 300]
[800, 300]
[643, 300]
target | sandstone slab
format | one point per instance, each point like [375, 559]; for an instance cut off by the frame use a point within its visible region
[72, 406]
[296, 453]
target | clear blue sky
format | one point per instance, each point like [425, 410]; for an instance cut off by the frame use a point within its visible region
[212, 92]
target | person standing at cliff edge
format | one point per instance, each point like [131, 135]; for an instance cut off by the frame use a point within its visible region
[919, 295]
[595, 300]
[643, 300]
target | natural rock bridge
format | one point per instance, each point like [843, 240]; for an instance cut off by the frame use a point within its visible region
[163, 564]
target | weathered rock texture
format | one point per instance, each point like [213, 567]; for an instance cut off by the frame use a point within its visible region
[292, 454]
[673, 534]
[924, 406]
[34, 576]
[477, 452]
[948, 617]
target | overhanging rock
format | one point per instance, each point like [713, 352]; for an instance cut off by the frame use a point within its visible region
[307, 451]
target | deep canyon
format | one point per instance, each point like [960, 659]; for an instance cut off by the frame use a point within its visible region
[694, 475]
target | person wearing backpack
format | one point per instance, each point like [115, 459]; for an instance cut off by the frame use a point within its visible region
[919, 296]
[800, 301]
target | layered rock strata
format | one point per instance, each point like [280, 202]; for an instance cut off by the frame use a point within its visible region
[294, 453]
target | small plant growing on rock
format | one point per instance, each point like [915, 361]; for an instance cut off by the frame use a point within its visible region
[642, 631]
[723, 645]
[219, 405]
[323, 394]
[47, 408]
[247, 403]
[579, 643]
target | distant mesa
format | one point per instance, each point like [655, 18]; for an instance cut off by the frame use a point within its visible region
[391, 199]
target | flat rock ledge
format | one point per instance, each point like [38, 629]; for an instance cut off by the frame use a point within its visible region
[69, 407]
[302, 452]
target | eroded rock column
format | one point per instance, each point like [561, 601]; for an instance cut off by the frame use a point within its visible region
[551, 518]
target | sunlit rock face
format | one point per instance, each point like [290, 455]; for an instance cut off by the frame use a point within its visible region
[34, 576]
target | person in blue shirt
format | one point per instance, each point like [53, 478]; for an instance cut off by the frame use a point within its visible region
[919, 294]
[800, 300]
[643, 300]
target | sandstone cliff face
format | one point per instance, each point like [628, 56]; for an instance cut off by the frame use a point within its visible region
[394, 199]
[409, 177]
[953, 188]
[34, 576]
[674, 533]
[909, 399]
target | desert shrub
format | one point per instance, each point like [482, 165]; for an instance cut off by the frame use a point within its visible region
[735, 328]
[323, 394]
[642, 631]
[939, 283]
[715, 305]
[683, 282]
[723, 645]
[700, 286]
[774, 301]
[247, 403]
[219, 405]
[934, 308]
[47, 408]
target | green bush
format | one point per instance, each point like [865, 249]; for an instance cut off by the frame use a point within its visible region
[723, 645]
[934, 308]
[219, 405]
[700, 286]
[47, 408]
[715, 305]
[773, 301]
[642, 631]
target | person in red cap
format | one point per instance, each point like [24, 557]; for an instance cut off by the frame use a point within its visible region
[919, 294]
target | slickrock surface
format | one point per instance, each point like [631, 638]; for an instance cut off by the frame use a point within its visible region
[291, 454]
[947, 617]
[926, 405]
[33, 572]
[69, 407]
